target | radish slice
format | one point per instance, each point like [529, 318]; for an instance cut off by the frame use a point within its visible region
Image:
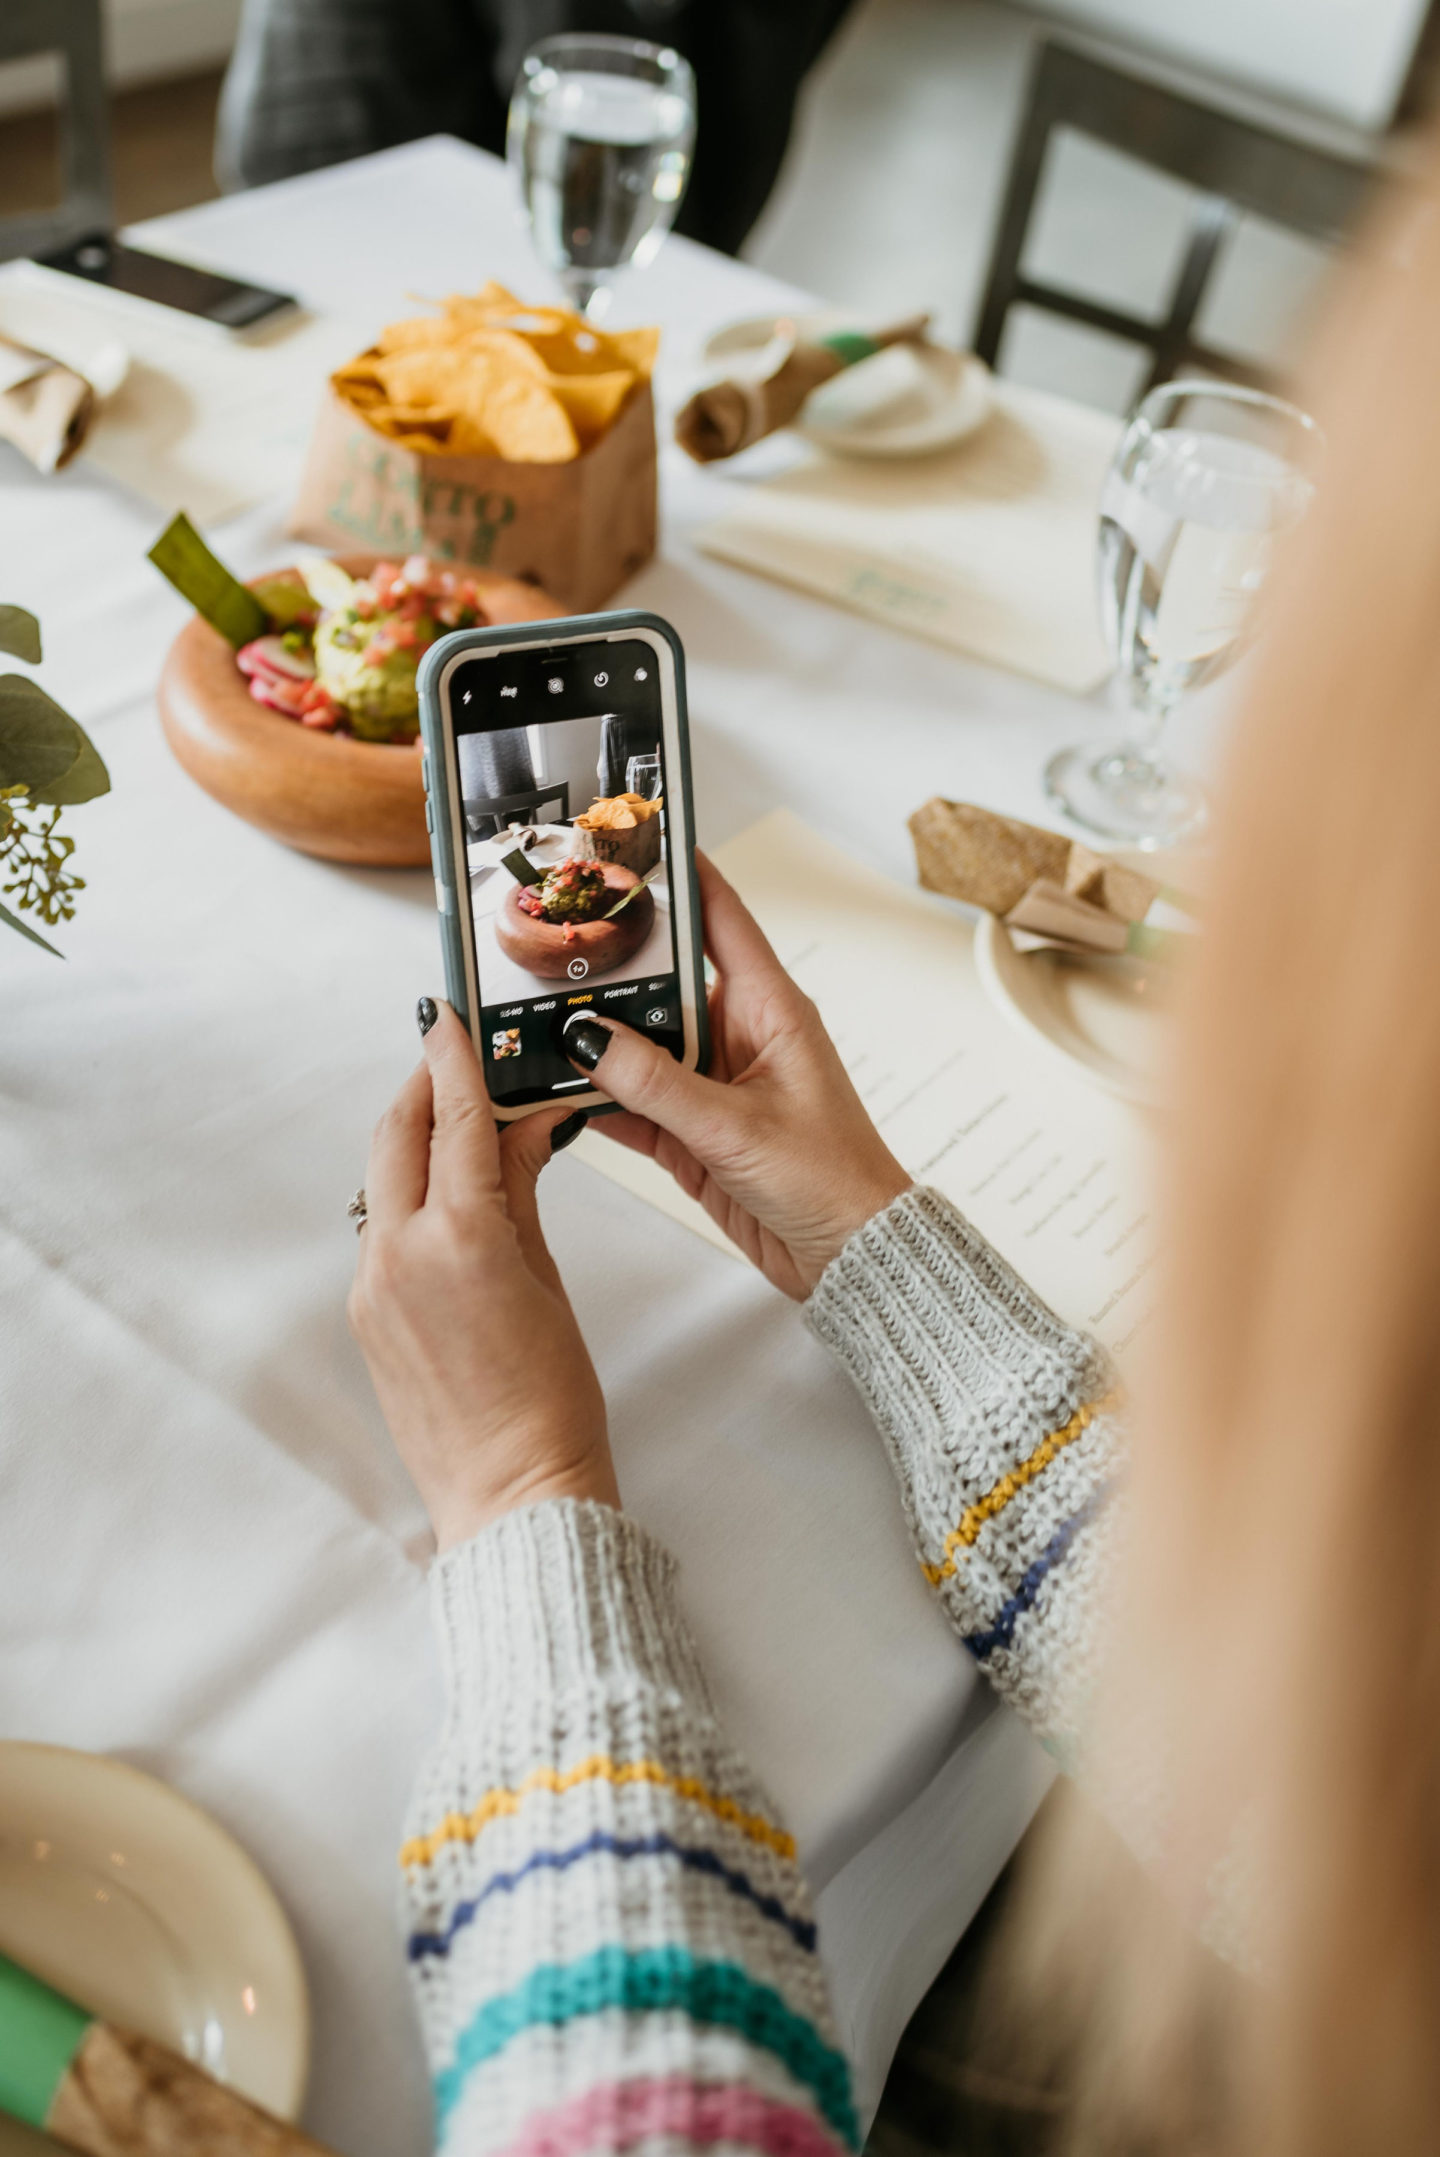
[270, 656]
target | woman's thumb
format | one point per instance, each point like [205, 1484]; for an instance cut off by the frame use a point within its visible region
[643, 1078]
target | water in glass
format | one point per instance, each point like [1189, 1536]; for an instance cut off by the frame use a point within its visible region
[642, 777]
[1185, 542]
[1205, 479]
[602, 156]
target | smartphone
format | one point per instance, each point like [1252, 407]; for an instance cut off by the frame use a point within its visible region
[220, 302]
[557, 897]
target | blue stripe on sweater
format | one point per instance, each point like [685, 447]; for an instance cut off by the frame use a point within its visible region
[438, 1943]
[1056, 1551]
[653, 1980]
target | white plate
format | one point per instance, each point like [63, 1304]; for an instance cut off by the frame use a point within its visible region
[134, 1902]
[1104, 1015]
[905, 402]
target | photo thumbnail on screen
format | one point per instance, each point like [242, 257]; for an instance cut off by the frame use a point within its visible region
[562, 783]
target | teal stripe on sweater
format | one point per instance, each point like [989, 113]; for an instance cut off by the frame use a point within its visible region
[649, 1980]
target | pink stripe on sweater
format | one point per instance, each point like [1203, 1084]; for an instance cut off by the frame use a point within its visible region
[616, 2115]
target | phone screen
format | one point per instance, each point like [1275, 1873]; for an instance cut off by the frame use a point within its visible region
[561, 762]
[103, 261]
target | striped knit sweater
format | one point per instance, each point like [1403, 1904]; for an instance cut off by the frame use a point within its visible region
[609, 1933]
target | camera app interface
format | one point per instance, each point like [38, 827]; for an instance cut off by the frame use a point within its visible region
[562, 786]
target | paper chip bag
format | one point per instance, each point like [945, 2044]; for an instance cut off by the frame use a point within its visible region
[580, 527]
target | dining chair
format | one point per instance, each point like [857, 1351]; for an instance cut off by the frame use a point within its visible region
[1235, 166]
[71, 28]
[488, 808]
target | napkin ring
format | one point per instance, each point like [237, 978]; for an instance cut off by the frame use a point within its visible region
[357, 1210]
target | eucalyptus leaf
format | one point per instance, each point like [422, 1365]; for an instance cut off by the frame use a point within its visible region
[39, 742]
[15, 922]
[86, 777]
[20, 635]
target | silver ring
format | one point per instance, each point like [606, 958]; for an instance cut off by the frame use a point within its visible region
[357, 1210]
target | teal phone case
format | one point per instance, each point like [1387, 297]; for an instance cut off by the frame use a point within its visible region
[451, 889]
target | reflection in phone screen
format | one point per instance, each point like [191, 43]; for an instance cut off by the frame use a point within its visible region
[562, 785]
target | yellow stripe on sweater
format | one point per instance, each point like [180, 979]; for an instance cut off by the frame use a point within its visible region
[973, 1519]
[498, 1804]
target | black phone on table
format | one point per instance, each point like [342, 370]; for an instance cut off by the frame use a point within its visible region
[525, 729]
[221, 303]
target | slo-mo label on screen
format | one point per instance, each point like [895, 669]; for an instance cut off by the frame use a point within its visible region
[561, 764]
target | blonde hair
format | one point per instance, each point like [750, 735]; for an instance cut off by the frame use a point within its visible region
[1279, 1643]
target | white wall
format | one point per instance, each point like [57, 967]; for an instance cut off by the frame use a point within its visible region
[145, 41]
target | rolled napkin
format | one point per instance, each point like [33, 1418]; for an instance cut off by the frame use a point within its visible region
[110, 2093]
[1053, 890]
[45, 407]
[728, 416]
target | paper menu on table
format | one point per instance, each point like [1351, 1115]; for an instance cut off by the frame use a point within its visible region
[989, 546]
[1054, 1172]
[201, 422]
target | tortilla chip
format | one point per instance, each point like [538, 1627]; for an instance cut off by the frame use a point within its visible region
[530, 425]
[488, 376]
[592, 401]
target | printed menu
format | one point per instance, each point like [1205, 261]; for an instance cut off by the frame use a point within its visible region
[1054, 1171]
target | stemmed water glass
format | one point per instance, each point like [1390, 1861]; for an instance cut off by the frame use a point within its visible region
[642, 777]
[601, 135]
[1206, 476]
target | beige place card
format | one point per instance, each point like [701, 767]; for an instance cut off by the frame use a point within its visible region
[988, 547]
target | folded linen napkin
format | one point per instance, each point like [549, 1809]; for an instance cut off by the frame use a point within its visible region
[1048, 889]
[45, 407]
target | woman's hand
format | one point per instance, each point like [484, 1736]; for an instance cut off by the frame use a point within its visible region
[775, 1142]
[480, 1369]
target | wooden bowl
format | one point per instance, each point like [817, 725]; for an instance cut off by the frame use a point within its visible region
[542, 947]
[327, 794]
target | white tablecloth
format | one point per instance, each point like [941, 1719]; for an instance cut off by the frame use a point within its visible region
[214, 1564]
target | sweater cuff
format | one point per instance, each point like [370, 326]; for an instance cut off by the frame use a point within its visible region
[923, 1312]
[557, 1601]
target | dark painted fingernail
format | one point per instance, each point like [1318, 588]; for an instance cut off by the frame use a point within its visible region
[586, 1043]
[427, 1011]
[565, 1133]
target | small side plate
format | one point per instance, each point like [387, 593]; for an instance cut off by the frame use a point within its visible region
[118, 1891]
[1105, 1016]
[907, 401]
